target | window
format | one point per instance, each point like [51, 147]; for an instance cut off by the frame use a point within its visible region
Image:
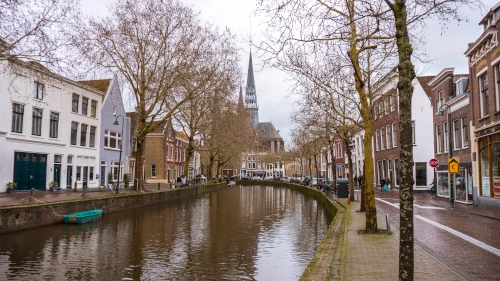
[375, 112]
[38, 93]
[376, 140]
[54, 125]
[93, 108]
[456, 134]
[386, 106]
[78, 173]
[483, 88]
[440, 101]
[153, 171]
[382, 142]
[394, 137]
[388, 137]
[74, 132]
[381, 109]
[413, 137]
[17, 117]
[92, 136]
[112, 139]
[36, 127]
[85, 105]
[421, 174]
[497, 87]
[83, 135]
[438, 138]
[91, 173]
[391, 102]
[114, 110]
[74, 104]
[446, 142]
[465, 132]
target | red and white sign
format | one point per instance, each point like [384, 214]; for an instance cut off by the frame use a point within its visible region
[433, 162]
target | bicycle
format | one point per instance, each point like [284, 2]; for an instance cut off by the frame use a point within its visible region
[328, 190]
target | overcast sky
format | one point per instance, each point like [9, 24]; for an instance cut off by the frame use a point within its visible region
[445, 49]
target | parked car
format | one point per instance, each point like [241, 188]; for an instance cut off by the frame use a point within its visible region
[181, 181]
[313, 182]
[268, 178]
[255, 178]
[306, 180]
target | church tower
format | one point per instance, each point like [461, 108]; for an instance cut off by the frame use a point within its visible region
[251, 95]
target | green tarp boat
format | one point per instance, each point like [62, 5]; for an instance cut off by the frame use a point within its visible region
[83, 217]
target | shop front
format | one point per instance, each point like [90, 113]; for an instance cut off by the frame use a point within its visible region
[460, 183]
[489, 156]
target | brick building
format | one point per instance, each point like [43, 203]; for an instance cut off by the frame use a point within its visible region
[450, 96]
[386, 131]
[484, 74]
[159, 161]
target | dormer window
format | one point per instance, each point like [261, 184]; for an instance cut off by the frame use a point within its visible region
[461, 86]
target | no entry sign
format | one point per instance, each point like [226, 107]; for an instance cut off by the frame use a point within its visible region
[433, 162]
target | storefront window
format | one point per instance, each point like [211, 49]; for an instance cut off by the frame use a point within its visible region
[442, 184]
[485, 176]
[495, 160]
[461, 185]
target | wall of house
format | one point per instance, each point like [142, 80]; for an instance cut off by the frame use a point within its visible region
[155, 154]
[111, 108]
[17, 85]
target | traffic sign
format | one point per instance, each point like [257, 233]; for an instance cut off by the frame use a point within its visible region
[453, 165]
[433, 162]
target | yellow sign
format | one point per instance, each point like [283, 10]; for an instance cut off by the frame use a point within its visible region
[453, 165]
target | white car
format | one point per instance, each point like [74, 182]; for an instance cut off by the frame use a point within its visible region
[268, 178]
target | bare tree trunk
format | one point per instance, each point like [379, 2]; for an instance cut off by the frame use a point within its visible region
[189, 154]
[349, 160]
[211, 167]
[362, 207]
[316, 167]
[406, 75]
[310, 166]
[139, 160]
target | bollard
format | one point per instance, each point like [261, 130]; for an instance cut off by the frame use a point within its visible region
[158, 186]
[170, 184]
[74, 190]
[84, 194]
[32, 194]
[136, 183]
[387, 222]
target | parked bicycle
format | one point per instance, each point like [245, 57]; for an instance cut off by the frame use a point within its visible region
[329, 192]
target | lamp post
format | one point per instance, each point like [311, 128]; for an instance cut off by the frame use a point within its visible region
[121, 145]
[450, 149]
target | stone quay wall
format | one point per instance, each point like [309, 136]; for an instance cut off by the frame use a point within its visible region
[15, 218]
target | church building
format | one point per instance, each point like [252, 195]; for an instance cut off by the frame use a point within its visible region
[266, 161]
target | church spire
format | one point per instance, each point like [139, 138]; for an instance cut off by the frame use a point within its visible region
[250, 78]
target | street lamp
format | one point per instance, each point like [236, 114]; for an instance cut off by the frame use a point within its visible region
[450, 149]
[121, 145]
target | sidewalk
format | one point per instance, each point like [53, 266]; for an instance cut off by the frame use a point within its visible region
[375, 256]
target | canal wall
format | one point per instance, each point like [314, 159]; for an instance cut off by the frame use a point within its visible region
[325, 264]
[20, 217]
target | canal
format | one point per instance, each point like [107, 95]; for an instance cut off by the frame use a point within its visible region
[238, 233]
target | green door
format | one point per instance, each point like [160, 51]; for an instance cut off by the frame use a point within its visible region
[69, 177]
[30, 171]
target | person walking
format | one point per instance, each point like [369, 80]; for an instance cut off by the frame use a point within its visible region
[382, 184]
[387, 183]
[360, 180]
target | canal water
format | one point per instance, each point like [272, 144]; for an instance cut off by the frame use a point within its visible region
[237, 233]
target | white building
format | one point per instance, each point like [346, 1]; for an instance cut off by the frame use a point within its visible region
[50, 129]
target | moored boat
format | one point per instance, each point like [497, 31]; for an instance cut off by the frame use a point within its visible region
[83, 217]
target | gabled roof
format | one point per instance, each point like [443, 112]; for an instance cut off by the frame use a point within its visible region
[424, 82]
[266, 130]
[457, 77]
[100, 84]
[181, 134]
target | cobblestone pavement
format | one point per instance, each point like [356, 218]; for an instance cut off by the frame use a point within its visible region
[375, 256]
[465, 238]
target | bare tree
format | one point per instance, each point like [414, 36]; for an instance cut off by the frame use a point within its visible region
[163, 52]
[35, 29]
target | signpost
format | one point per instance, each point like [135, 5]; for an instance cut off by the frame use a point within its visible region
[453, 165]
[433, 163]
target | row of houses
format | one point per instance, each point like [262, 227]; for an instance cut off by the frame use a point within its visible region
[455, 115]
[70, 133]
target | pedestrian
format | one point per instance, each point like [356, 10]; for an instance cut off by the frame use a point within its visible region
[382, 184]
[355, 179]
[360, 180]
[387, 183]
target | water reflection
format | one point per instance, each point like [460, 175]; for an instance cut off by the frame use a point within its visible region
[239, 233]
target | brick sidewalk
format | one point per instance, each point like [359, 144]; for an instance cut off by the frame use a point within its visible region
[375, 256]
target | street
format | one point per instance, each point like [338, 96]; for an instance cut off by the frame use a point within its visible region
[465, 238]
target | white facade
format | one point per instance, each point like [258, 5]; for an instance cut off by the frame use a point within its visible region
[32, 135]
[423, 147]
